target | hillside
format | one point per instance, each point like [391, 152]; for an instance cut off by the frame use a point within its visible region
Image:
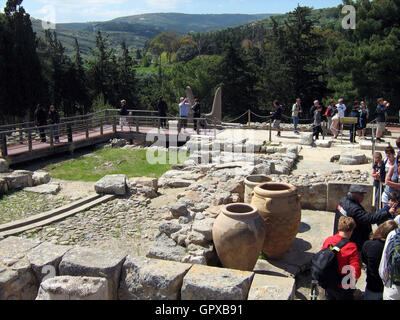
[136, 30]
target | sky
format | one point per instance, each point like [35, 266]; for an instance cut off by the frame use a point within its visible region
[63, 11]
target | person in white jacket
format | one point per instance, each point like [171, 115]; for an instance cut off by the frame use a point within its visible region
[390, 291]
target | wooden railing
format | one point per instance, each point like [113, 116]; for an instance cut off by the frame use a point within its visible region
[107, 122]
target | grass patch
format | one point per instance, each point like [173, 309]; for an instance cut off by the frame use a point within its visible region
[132, 163]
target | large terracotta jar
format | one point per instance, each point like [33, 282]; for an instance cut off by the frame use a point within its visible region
[238, 234]
[279, 205]
[250, 182]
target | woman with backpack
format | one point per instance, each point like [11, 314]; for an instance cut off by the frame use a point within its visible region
[371, 255]
[392, 176]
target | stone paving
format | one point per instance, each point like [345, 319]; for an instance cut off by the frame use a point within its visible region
[131, 223]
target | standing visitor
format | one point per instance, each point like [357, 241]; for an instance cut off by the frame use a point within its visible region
[317, 129]
[277, 116]
[196, 113]
[335, 124]
[381, 118]
[378, 173]
[54, 119]
[355, 113]
[363, 121]
[341, 108]
[183, 112]
[296, 109]
[162, 108]
[40, 118]
[329, 113]
[391, 177]
[123, 112]
[371, 255]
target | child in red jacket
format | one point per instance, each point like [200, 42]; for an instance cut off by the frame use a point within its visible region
[348, 262]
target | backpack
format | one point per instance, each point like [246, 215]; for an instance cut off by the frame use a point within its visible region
[324, 265]
[393, 264]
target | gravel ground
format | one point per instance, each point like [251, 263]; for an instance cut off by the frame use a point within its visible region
[21, 204]
[127, 225]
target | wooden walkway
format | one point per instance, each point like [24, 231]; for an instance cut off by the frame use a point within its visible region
[24, 144]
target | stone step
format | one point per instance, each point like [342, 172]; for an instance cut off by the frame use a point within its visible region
[52, 217]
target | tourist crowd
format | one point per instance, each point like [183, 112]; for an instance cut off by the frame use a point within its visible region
[335, 115]
[358, 247]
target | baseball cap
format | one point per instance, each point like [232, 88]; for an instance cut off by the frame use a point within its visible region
[357, 189]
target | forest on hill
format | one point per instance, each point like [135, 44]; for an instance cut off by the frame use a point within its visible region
[305, 53]
[136, 30]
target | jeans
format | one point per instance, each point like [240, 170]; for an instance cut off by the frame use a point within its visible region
[55, 132]
[295, 123]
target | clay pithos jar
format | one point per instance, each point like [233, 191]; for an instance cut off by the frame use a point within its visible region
[250, 182]
[238, 235]
[279, 206]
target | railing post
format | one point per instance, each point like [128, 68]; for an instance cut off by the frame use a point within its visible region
[248, 117]
[87, 129]
[51, 136]
[29, 140]
[69, 131]
[270, 130]
[101, 127]
[21, 137]
[137, 125]
[114, 124]
[3, 144]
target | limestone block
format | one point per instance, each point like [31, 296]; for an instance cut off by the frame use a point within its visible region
[17, 281]
[169, 227]
[306, 138]
[3, 166]
[45, 255]
[50, 188]
[166, 249]
[19, 179]
[267, 287]
[3, 186]
[313, 197]
[353, 158]
[210, 283]
[14, 247]
[93, 262]
[144, 181]
[204, 227]
[337, 191]
[111, 184]
[40, 177]
[151, 279]
[323, 143]
[74, 288]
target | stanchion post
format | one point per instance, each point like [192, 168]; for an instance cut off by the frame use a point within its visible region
[270, 130]
[248, 117]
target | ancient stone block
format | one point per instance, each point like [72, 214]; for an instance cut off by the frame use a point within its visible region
[210, 283]
[111, 184]
[40, 177]
[74, 288]
[14, 247]
[166, 249]
[93, 262]
[313, 197]
[3, 166]
[45, 255]
[151, 279]
[267, 287]
[337, 191]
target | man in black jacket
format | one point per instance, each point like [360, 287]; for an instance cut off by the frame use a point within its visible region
[350, 206]
[54, 119]
[40, 118]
